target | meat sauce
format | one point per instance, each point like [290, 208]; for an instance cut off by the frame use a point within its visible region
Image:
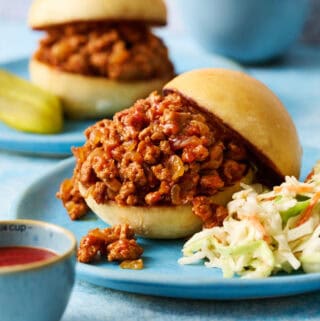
[17, 255]
[161, 151]
[115, 243]
[124, 51]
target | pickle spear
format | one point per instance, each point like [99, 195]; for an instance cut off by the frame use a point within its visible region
[26, 107]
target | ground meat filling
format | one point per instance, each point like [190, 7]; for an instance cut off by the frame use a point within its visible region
[121, 51]
[161, 151]
[115, 243]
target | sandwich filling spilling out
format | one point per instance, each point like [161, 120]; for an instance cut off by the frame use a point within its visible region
[122, 51]
[163, 151]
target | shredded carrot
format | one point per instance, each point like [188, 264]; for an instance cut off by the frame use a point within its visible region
[258, 225]
[309, 176]
[308, 211]
[298, 189]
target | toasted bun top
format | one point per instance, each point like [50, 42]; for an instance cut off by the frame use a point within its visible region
[45, 13]
[250, 109]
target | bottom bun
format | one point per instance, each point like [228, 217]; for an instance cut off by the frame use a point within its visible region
[90, 97]
[158, 222]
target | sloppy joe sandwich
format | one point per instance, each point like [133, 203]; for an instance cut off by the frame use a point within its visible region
[169, 164]
[99, 56]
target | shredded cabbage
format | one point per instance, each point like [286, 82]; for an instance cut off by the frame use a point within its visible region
[265, 231]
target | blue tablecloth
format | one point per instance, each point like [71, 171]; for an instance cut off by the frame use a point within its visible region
[296, 79]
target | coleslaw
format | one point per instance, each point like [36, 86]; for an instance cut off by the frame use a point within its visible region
[265, 231]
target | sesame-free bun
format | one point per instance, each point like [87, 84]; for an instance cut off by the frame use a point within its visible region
[90, 97]
[158, 222]
[46, 13]
[243, 107]
[250, 109]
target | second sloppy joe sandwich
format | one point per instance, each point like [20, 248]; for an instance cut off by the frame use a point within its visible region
[168, 165]
[99, 56]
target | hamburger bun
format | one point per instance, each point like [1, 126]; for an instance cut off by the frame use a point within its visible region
[46, 13]
[158, 222]
[250, 111]
[90, 97]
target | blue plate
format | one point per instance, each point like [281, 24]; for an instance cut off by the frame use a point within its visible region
[47, 145]
[162, 275]
[50, 145]
[184, 58]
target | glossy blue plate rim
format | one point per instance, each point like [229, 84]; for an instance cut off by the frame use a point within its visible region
[162, 275]
[50, 145]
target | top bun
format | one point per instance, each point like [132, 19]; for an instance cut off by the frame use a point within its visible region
[250, 110]
[45, 13]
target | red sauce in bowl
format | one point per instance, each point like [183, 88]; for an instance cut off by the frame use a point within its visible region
[16, 255]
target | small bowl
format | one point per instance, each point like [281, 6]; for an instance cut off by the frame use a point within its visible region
[36, 291]
[249, 31]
